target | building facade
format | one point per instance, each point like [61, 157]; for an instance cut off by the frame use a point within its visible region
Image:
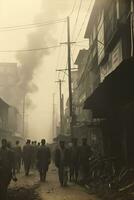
[110, 33]
[10, 122]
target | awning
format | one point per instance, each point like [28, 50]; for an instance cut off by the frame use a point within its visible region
[116, 90]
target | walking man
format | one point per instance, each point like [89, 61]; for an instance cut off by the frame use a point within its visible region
[27, 156]
[74, 160]
[43, 160]
[7, 171]
[85, 154]
[18, 156]
[62, 162]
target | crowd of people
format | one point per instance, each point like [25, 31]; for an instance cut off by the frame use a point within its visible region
[71, 160]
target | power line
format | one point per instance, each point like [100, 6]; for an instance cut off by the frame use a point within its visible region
[74, 25]
[89, 7]
[80, 5]
[33, 49]
[30, 26]
[29, 50]
[73, 8]
[84, 20]
[101, 51]
[59, 52]
[63, 31]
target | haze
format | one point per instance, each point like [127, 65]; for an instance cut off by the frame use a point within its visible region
[38, 75]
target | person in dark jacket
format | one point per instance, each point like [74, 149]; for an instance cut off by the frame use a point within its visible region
[7, 167]
[84, 156]
[18, 156]
[62, 162]
[74, 160]
[43, 160]
[27, 156]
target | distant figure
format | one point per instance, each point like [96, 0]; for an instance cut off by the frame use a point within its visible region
[62, 162]
[18, 156]
[43, 160]
[74, 160]
[12, 154]
[85, 154]
[6, 168]
[33, 158]
[27, 156]
[38, 144]
[35, 149]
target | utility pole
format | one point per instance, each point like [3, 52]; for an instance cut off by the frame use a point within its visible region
[61, 107]
[53, 129]
[23, 126]
[68, 43]
[69, 76]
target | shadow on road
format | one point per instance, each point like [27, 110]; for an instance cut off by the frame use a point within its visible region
[23, 193]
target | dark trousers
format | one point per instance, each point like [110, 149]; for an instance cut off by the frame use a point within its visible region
[27, 165]
[74, 171]
[42, 168]
[3, 191]
[18, 165]
[84, 171]
[5, 180]
[63, 176]
[43, 173]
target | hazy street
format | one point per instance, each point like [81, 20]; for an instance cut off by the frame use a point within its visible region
[50, 190]
[67, 100]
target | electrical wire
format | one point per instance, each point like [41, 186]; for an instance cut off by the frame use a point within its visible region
[77, 17]
[23, 27]
[100, 53]
[75, 22]
[87, 13]
[98, 31]
[71, 13]
[59, 52]
[33, 25]
[29, 50]
[73, 8]
[33, 49]
[89, 8]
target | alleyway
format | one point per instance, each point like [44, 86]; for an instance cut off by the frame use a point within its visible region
[31, 189]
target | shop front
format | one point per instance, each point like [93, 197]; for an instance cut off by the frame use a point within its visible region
[113, 103]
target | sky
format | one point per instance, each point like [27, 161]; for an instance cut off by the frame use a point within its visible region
[38, 68]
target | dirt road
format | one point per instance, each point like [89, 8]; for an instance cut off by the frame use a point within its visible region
[52, 190]
[30, 188]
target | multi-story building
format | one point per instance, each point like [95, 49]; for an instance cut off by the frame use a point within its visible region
[15, 121]
[3, 119]
[10, 122]
[111, 38]
[83, 86]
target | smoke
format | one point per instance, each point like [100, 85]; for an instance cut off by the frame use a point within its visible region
[29, 62]
[40, 38]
